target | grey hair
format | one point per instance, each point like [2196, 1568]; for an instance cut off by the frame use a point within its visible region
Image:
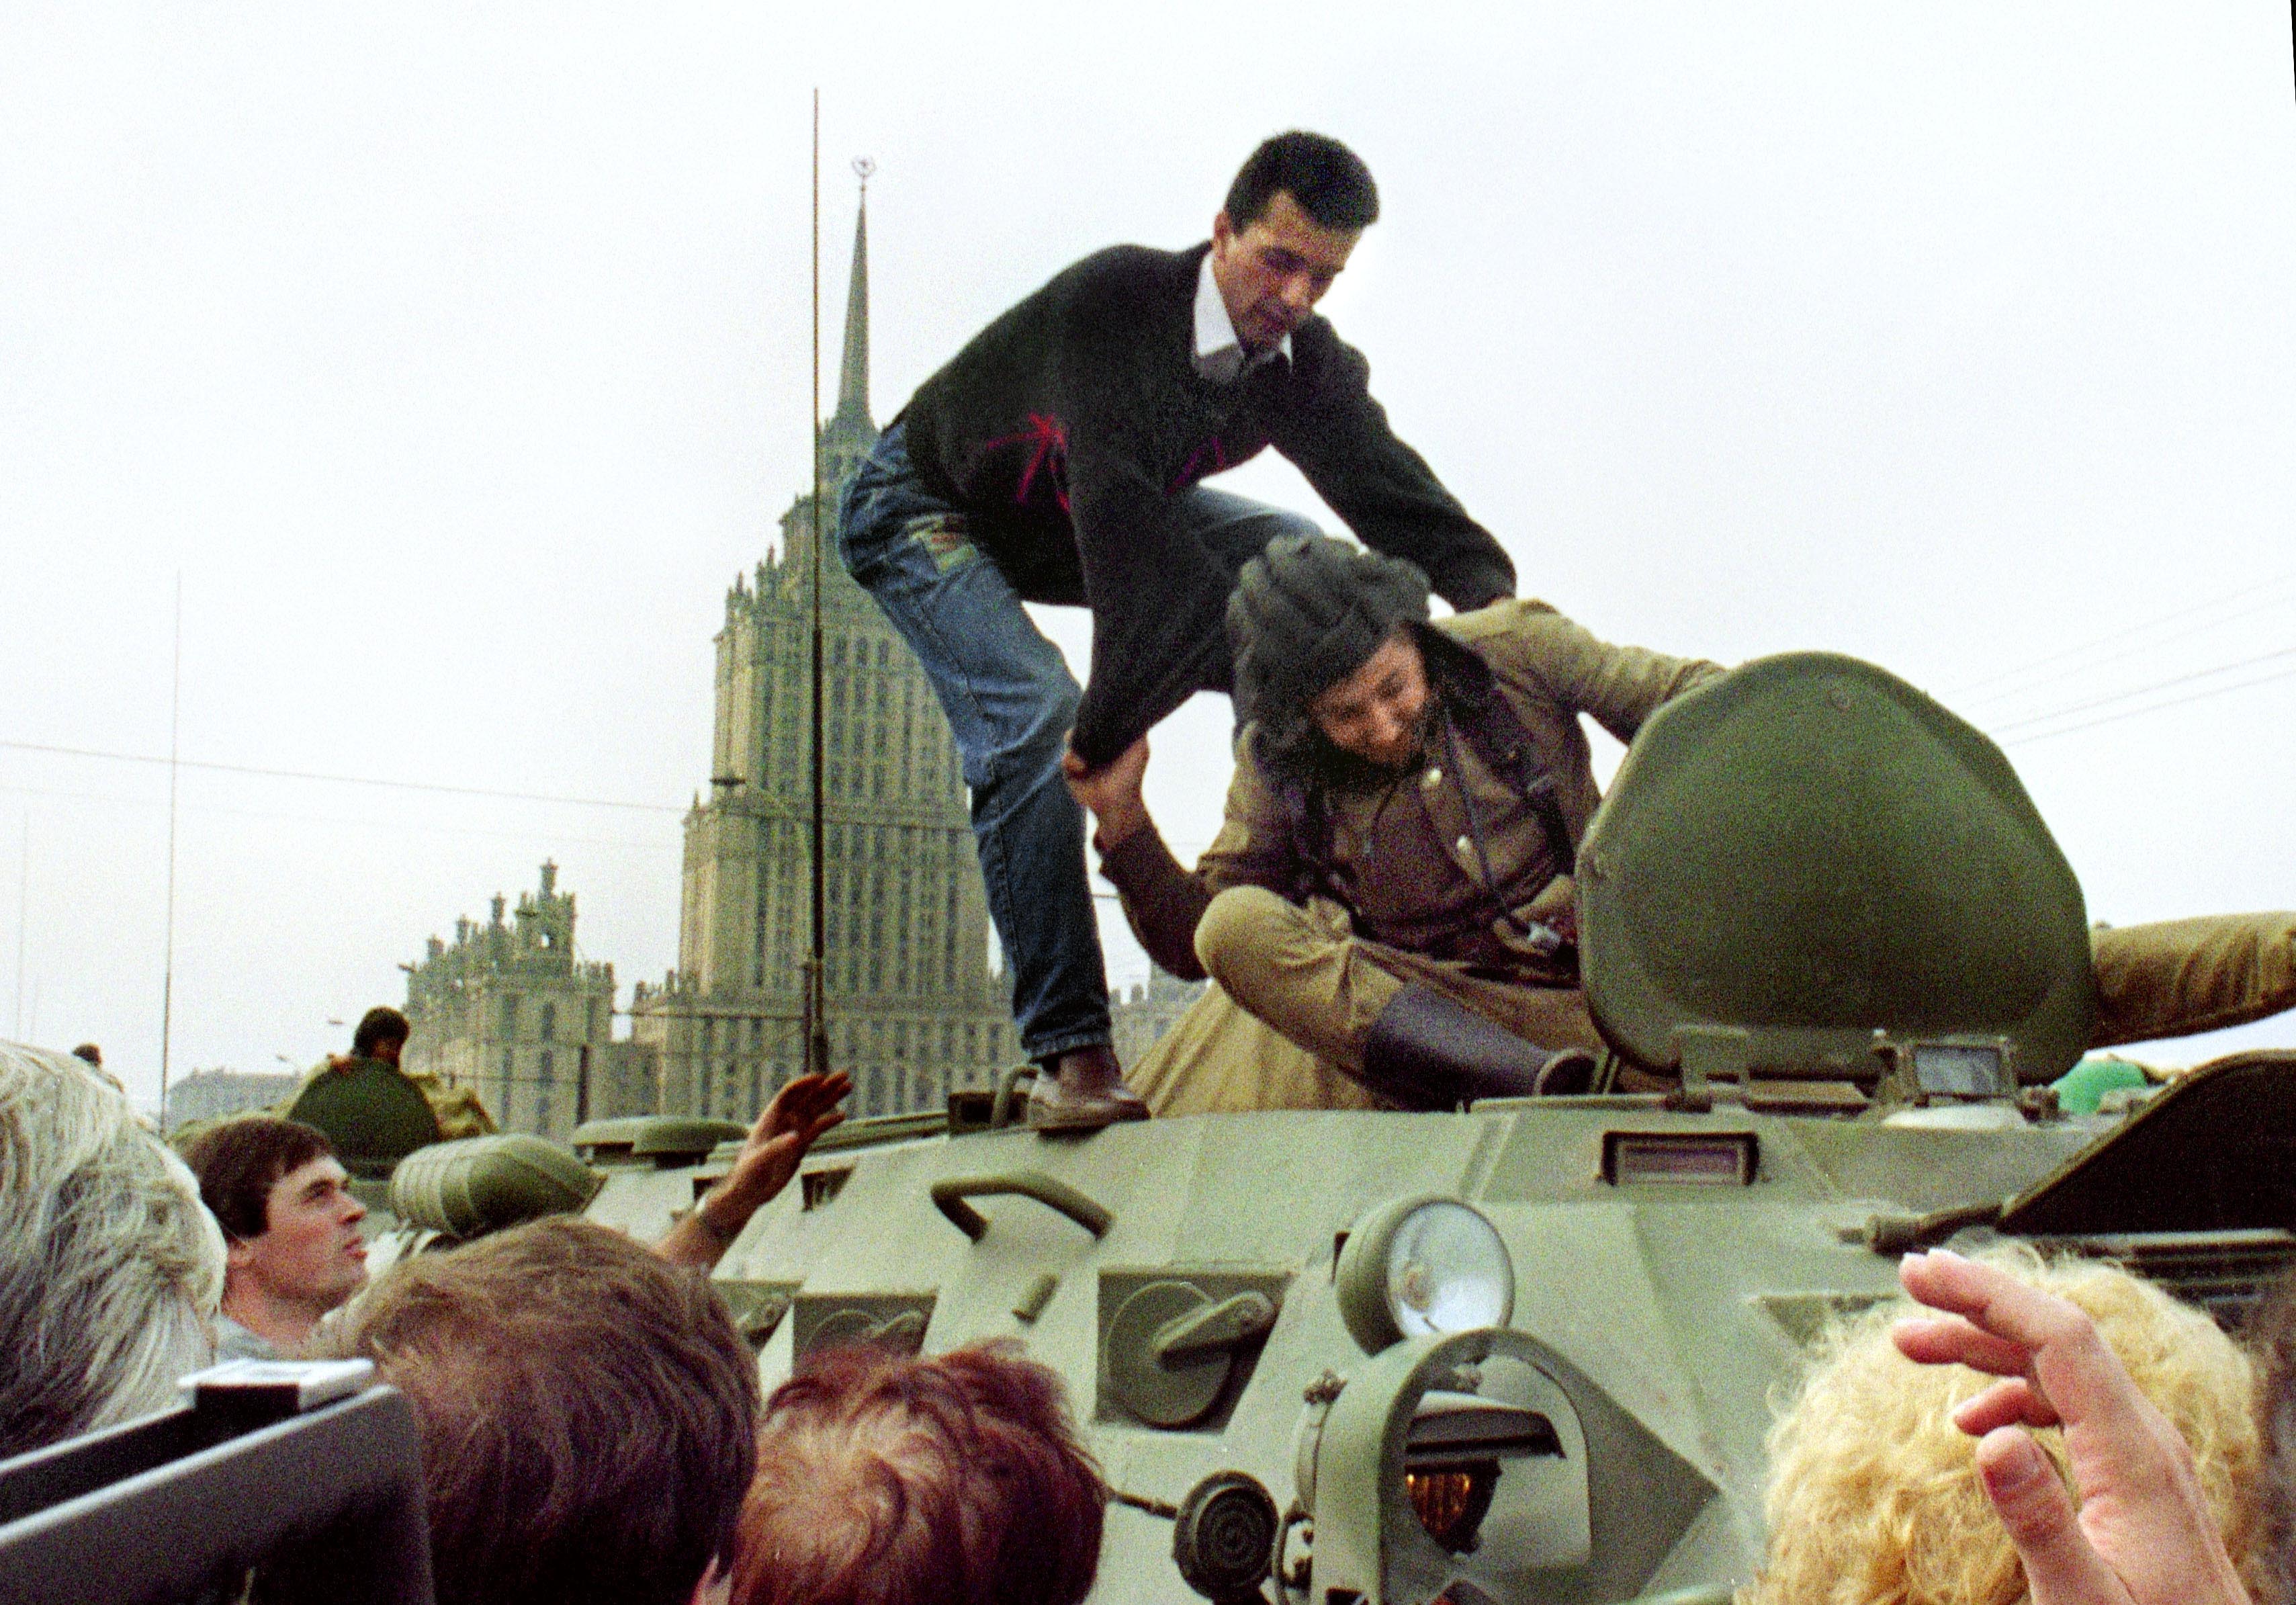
[111, 1268]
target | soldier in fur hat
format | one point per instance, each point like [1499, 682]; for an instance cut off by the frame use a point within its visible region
[1390, 892]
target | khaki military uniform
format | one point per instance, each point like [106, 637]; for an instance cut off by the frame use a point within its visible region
[1444, 876]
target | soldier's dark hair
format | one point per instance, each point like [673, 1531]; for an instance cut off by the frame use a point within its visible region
[376, 1026]
[588, 1414]
[887, 1479]
[239, 1161]
[1329, 181]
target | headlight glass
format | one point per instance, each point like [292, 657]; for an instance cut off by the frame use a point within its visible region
[1447, 1272]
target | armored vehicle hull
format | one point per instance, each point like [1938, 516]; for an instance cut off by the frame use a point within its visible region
[1667, 1266]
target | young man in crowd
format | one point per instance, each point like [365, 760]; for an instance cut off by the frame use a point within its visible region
[1058, 458]
[1391, 892]
[291, 1226]
[587, 1412]
[888, 1480]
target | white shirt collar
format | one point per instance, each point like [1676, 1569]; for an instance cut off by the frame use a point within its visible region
[1220, 356]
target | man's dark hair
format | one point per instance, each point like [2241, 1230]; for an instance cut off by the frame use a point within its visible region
[1328, 180]
[376, 1026]
[588, 1414]
[89, 1053]
[239, 1161]
[886, 1479]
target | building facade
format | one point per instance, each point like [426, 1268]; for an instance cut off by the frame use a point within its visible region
[913, 1006]
[510, 1010]
[218, 1094]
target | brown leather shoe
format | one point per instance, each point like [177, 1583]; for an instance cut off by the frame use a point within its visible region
[1083, 1091]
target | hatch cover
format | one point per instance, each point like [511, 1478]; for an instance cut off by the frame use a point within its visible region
[1806, 851]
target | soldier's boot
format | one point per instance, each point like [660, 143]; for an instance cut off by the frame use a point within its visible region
[1428, 1052]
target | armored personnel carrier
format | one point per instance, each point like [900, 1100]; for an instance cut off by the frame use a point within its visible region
[1527, 1351]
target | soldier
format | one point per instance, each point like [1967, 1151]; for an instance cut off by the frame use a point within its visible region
[1391, 889]
[1057, 458]
[1390, 900]
[380, 1038]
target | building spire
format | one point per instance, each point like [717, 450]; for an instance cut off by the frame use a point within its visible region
[852, 415]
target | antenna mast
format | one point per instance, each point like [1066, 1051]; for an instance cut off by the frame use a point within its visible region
[168, 968]
[815, 1005]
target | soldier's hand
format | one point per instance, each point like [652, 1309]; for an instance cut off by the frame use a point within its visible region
[2144, 1534]
[1112, 792]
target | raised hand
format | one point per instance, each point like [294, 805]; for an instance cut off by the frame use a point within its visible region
[2143, 1534]
[798, 1113]
[776, 1145]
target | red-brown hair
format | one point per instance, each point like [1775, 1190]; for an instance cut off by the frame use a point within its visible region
[885, 1479]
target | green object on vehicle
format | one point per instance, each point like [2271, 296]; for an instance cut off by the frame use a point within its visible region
[1807, 868]
[2082, 1088]
[372, 1115]
[481, 1184]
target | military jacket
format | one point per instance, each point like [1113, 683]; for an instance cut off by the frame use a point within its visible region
[1448, 859]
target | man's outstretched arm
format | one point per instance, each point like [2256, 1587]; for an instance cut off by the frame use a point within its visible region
[798, 1113]
[2143, 1534]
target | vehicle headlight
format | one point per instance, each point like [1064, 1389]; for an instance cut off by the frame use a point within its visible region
[1421, 1267]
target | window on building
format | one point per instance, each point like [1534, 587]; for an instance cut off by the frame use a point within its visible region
[544, 1074]
[549, 1022]
[509, 1019]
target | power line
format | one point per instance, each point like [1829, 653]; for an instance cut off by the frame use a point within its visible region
[341, 821]
[2142, 629]
[2083, 661]
[2146, 690]
[2173, 701]
[283, 774]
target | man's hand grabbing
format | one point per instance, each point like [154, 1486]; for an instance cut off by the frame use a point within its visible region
[1113, 793]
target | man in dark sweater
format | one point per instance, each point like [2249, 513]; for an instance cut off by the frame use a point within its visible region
[1058, 458]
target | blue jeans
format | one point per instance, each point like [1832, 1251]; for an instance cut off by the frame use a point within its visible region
[1011, 701]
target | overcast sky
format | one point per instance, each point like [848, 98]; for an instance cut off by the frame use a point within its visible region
[456, 356]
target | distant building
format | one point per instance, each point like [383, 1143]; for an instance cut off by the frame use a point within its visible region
[510, 1010]
[1138, 1022]
[914, 1007]
[215, 1094]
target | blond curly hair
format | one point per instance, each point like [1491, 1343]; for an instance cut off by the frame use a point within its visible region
[1873, 1498]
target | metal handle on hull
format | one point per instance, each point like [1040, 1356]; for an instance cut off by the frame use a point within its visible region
[950, 1192]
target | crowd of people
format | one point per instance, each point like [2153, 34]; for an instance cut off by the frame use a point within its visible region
[592, 1426]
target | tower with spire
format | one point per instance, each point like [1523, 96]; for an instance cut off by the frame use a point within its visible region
[914, 1007]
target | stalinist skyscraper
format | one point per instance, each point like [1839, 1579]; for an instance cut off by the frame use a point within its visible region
[913, 1006]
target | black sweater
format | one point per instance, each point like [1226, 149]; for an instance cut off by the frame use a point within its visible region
[1065, 427]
